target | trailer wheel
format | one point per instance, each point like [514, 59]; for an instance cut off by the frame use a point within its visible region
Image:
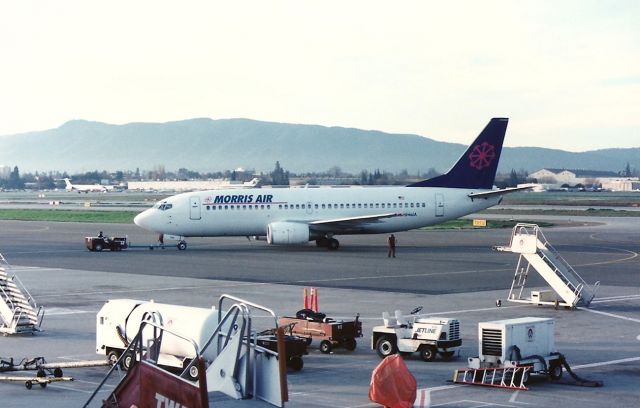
[43, 385]
[350, 344]
[193, 372]
[295, 363]
[555, 371]
[113, 356]
[428, 353]
[28, 384]
[127, 361]
[385, 346]
[97, 247]
[326, 346]
[57, 372]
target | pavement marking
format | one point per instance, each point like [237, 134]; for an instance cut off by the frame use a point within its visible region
[70, 389]
[616, 298]
[605, 363]
[58, 311]
[632, 256]
[515, 396]
[610, 314]
[478, 404]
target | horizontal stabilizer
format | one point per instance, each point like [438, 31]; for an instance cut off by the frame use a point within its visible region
[487, 194]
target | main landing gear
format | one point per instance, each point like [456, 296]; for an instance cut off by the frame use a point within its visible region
[331, 244]
[182, 245]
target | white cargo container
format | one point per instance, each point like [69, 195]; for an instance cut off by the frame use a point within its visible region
[119, 321]
[523, 342]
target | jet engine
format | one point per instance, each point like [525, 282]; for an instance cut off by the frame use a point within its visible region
[287, 233]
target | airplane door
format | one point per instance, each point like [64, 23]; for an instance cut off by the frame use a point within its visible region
[439, 205]
[194, 207]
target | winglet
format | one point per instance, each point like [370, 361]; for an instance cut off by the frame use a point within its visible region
[477, 167]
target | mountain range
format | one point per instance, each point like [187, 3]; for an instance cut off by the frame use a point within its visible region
[213, 145]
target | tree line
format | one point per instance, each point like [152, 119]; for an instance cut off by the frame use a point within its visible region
[278, 176]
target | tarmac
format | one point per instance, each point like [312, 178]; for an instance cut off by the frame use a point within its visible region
[450, 273]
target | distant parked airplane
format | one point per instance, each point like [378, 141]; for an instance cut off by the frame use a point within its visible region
[295, 216]
[85, 188]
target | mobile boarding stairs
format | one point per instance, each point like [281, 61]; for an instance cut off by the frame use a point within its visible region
[19, 313]
[537, 253]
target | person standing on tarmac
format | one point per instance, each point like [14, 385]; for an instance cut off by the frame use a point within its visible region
[391, 243]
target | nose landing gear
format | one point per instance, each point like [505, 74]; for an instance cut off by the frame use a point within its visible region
[182, 245]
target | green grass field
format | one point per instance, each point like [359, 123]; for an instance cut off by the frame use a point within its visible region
[468, 224]
[110, 217]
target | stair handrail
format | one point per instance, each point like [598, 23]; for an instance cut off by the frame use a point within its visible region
[25, 291]
[564, 262]
[136, 346]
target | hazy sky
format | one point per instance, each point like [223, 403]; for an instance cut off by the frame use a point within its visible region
[567, 73]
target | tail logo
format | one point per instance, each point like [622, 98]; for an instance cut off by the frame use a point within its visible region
[482, 155]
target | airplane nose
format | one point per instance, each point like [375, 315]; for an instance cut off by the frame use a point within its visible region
[142, 220]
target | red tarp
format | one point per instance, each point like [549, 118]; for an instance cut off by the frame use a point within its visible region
[392, 384]
[147, 386]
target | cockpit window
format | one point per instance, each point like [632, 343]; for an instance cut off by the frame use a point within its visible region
[165, 206]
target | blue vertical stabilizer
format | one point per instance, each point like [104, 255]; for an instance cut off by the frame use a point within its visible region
[478, 165]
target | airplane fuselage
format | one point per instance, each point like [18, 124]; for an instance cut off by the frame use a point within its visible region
[249, 212]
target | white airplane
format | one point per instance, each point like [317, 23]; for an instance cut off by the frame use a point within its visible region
[295, 216]
[86, 188]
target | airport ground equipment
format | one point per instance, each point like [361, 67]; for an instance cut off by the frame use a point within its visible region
[501, 377]
[19, 312]
[295, 347]
[98, 244]
[510, 350]
[516, 343]
[146, 383]
[46, 373]
[29, 381]
[235, 364]
[568, 288]
[427, 335]
[119, 320]
[331, 333]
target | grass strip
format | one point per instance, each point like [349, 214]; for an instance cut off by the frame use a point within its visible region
[89, 216]
[491, 224]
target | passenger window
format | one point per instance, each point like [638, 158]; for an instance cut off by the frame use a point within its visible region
[411, 205]
[323, 206]
[347, 205]
[297, 206]
[268, 206]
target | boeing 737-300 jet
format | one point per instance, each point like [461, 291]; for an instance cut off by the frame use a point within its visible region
[295, 216]
[86, 188]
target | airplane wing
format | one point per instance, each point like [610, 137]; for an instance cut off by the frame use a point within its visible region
[486, 194]
[348, 224]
